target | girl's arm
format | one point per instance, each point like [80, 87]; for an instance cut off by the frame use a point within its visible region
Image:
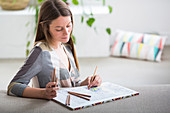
[31, 67]
[45, 93]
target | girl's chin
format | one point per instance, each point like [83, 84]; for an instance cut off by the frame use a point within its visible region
[65, 41]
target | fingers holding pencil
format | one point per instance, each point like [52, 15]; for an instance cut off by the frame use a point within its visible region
[51, 87]
[95, 80]
[92, 78]
[50, 92]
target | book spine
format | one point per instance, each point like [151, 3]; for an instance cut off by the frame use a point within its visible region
[106, 101]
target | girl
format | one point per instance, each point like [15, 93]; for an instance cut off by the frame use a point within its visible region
[53, 49]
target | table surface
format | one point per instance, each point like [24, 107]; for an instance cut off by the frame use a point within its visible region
[152, 99]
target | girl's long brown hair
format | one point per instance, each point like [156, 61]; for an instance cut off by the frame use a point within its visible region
[50, 10]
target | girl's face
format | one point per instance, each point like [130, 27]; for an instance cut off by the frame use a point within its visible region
[60, 29]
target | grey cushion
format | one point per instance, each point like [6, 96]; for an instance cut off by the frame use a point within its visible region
[152, 99]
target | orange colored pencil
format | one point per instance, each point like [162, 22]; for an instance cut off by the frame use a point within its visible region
[69, 99]
[56, 82]
[92, 79]
[79, 94]
[54, 76]
[51, 75]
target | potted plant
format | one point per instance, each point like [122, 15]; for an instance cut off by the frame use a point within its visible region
[14, 4]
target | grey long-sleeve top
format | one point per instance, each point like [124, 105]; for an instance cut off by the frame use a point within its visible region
[41, 60]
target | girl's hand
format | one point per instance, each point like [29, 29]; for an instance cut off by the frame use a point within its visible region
[96, 82]
[50, 91]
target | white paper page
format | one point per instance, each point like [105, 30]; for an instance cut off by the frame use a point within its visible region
[107, 91]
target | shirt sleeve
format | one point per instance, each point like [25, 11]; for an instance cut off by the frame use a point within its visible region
[31, 67]
[77, 83]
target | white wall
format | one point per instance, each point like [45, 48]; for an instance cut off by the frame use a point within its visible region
[14, 33]
[131, 15]
[140, 16]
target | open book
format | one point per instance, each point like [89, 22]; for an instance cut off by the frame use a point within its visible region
[106, 92]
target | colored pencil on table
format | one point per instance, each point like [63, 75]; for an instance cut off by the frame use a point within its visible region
[68, 100]
[78, 95]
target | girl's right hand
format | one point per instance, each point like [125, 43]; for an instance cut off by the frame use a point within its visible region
[50, 91]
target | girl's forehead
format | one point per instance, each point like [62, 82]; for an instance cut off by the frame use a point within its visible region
[61, 20]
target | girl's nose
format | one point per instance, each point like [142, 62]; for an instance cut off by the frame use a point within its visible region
[66, 31]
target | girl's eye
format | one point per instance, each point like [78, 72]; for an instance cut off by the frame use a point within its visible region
[59, 29]
[70, 25]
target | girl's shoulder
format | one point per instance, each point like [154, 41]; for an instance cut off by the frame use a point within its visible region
[43, 45]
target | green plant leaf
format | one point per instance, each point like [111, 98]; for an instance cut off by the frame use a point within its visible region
[108, 30]
[39, 1]
[104, 2]
[65, 1]
[90, 21]
[75, 2]
[37, 12]
[36, 18]
[28, 43]
[27, 52]
[74, 38]
[82, 19]
[110, 9]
